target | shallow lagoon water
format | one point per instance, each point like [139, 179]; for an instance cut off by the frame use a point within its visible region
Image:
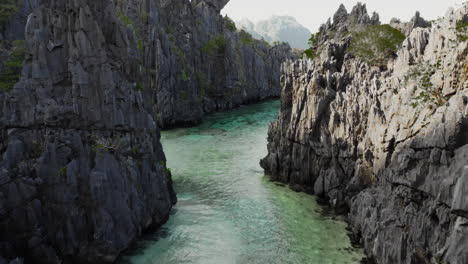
[228, 211]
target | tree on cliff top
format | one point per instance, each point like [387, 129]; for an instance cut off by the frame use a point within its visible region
[311, 52]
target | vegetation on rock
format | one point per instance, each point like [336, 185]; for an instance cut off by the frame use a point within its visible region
[7, 9]
[215, 45]
[311, 52]
[13, 67]
[376, 43]
[427, 93]
[246, 38]
[230, 24]
[462, 30]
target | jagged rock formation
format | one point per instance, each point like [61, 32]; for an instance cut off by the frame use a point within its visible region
[348, 133]
[407, 28]
[82, 172]
[343, 22]
[278, 28]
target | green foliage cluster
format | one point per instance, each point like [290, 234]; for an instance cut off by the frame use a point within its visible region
[7, 9]
[462, 30]
[138, 87]
[427, 93]
[311, 52]
[230, 24]
[13, 66]
[184, 76]
[141, 45]
[376, 43]
[96, 147]
[125, 19]
[246, 38]
[215, 45]
[168, 172]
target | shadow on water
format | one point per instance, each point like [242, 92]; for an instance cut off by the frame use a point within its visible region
[228, 212]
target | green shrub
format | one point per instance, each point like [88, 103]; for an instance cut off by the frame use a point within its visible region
[427, 93]
[376, 43]
[13, 66]
[246, 38]
[125, 19]
[311, 52]
[184, 76]
[138, 87]
[7, 9]
[230, 24]
[168, 172]
[141, 46]
[462, 30]
[313, 40]
[215, 45]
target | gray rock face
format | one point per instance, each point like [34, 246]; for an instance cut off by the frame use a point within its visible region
[347, 132]
[82, 171]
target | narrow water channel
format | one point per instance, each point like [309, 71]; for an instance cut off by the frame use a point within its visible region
[228, 212]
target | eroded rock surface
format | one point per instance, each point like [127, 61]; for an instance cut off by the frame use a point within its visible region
[82, 171]
[348, 133]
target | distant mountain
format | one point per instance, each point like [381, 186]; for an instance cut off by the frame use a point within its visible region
[278, 28]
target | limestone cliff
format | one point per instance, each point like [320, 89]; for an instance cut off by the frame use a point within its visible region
[388, 143]
[203, 64]
[82, 171]
[192, 61]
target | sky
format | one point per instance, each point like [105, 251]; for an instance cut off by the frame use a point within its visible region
[313, 13]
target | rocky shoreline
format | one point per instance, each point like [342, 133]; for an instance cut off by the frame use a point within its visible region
[357, 136]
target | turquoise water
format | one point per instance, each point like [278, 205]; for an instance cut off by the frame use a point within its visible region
[228, 212]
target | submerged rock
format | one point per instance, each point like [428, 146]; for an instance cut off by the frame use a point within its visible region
[357, 136]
